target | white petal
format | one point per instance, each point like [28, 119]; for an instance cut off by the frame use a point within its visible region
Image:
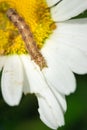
[68, 9]
[31, 73]
[52, 2]
[72, 33]
[58, 74]
[12, 80]
[45, 97]
[2, 61]
[75, 58]
[50, 111]
[61, 99]
[26, 88]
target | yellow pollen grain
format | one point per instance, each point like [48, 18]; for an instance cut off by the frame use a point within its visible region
[37, 15]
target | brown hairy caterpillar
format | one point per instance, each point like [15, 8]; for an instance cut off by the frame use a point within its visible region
[28, 38]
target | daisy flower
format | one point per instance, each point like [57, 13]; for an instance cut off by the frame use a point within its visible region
[63, 44]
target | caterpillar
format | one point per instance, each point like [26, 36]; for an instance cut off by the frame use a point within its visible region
[27, 37]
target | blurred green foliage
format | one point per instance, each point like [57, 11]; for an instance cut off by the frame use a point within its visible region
[26, 117]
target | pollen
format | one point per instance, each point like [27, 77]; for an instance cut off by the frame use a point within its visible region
[36, 14]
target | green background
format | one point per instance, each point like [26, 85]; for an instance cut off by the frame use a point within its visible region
[25, 116]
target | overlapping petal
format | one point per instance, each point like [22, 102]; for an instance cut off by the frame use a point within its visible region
[58, 74]
[49, 107]
[73, 32]
[71, 44]
[50, 111]
[61, 99]
[67, 9]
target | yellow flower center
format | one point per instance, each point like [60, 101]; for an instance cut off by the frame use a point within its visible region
[37, 15]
